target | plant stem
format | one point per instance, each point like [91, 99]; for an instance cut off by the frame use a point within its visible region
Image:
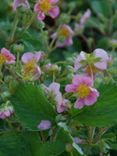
[15, 23]
[92, 77]
[28, 25]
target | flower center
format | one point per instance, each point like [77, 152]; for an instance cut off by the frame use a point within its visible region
[29, 68]
[83, 91]
[63, 32]
[94, 69]
[2, 59]
[45, 5]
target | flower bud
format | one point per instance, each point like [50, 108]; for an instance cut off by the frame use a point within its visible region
[70, 69]
[52, 68]
[113, 43]
[5, 95]
[41, 25]
[70, 76]
[18, 48]
[6, 112]
[44, 125]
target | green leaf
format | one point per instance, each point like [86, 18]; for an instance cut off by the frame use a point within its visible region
[31, 106]
[101, 7]
[96, 23]
[35, 41]
[10, 145]
[52, 148]
[103, 43]
[103, 112]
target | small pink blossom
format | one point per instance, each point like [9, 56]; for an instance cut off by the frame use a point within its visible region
[48, 66]
[64, 36]
[79, 26]
[77, 140]
[31, 70]
[46, 7]
[6, 57]
[44, 125]
[18, 3]
[82, 87]
[85, 16]
[100, 56]
[6, 112]
[54, 89]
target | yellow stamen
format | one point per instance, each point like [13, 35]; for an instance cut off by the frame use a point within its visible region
[29, 68]
[45, 5]
[2, 59]
[83, 91]
[63, 32]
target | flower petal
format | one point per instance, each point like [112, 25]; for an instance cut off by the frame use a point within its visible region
[101, 65]
[100, 53]
[62, 107]
[27, 57]
[37, 56]
[54, 12]
[79, 104]
[36, 73]
[55, 87]
[18, 3]
[71, 32]
[77, 79]
[92, 98]
[44, 125]
[41, 16]
[87, 80]
[10, 58]
[36, 8]
[70, 88]
[54, 1]
[78, 60]
[81, 79]
[104, 58]
[68, 41]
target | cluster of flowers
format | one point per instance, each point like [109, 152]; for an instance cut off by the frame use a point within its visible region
[82, 86]
[64, 33]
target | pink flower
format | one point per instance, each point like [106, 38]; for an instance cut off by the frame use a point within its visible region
[46, 7]
[54, 89]
[82, 87]
[64, 36]
[31, 71]
[6, 112]
[85, 16]
[79, 26]
[44, 125]
[100, 60]
[6, 57]
[18, 3]
[77, 140]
